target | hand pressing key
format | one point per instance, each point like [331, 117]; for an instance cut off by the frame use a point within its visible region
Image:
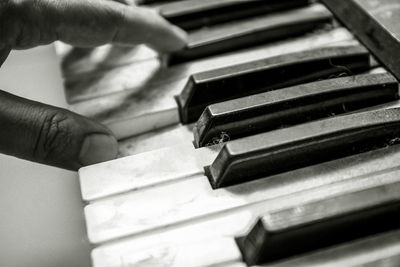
[54, 136]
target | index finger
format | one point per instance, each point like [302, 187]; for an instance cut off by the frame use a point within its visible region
[94, 22]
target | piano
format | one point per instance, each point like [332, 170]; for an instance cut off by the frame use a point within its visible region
[272, 139]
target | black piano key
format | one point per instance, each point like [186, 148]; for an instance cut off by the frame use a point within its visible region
[267, 74]
[294, 147]
[226, 37]
[193, 14]
[293, 105]
[323, 223]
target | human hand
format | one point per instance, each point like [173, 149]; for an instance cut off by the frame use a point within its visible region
[55, 136]
[85, 23]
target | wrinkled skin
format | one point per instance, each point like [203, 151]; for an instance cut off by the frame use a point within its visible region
[54, 136]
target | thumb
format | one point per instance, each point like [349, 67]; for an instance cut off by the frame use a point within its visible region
[50, 135]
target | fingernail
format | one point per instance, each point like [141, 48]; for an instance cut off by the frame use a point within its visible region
[98, 148]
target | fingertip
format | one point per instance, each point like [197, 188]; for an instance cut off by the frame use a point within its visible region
[181, 38]
[143, 25]
[166, 37]
[173, 39]
[98, 148]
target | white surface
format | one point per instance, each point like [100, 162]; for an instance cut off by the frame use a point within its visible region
[187, 200]
[41, 220]
[137, 172]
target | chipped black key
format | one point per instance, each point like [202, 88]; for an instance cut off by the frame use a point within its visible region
[193, 14]
[323, 223]
[267, 74]
[248, 32]
[294, 147]
[293, 105]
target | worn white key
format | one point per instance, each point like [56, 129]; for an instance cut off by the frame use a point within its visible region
[224, 225]
[190, 198]
[165, 137]
[76, 61]
[379, 250]
[141, 72]
[134, 109]
[141, 170]
[144, 170]
[213, 252]
[113, 254]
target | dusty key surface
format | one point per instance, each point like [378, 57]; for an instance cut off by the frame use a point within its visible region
[144, 170]
[111, 254]
[293, 105]
[166, 137]
[152, 106]
[126, 174]
[77, 62]
[192, 198]
[298, 146]
[383, 248]
[302, 228]
[248, 32]
[161, 246]
[266, 74]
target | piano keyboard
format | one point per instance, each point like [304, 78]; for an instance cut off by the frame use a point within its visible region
[271, 140]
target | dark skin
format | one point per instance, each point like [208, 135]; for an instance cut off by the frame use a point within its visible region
[54, 136]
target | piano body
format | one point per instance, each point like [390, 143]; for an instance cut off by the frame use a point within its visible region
[271, 140]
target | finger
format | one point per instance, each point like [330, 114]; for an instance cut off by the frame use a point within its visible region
[52, 136]
[126, 2]
[149, 27]
[110, 22]
[88, 23]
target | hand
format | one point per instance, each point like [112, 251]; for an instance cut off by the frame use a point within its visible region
[55, 136]
[85, 23]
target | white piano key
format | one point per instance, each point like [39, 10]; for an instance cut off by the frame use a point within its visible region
[165, 242]
[188, 199]
[141, 73]
[213, 252]
[77, 61]
[379, 250]
[112, 254]
[165, 137]
[151, 106]
[163, 114]
[144, 170]
[137, 171]
[130, 113]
